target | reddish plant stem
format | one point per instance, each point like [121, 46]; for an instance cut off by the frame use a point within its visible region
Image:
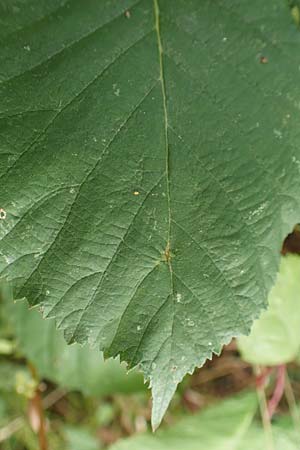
[278, 391]
[260, 389]
[261, 379]
[37, 405]
[16, 424]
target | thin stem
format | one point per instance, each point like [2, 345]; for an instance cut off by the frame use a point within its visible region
[290, 397]
[278, 391]
[262, 379]
[264, 412]
[16, 424]
[37, 405]
[12, 427]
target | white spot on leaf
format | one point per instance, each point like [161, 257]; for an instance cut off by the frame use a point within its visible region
[178, 297]
[296, 161]
[277, 133]
[190, 323]
[116, 90]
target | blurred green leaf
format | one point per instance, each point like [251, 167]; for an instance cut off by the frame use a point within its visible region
[284, 436]
[26, 385]
[105, 413]
[226, 426]
[220, 427]
[80, 439]
[275, 336]
[7, 347]
[8, 373]
[71, 366]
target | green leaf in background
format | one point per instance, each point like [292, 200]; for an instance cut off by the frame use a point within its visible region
[275, 336]
[73, 367]
[284, 436]
[149, 164]
[8, 375]
[228, 425]
[80, 439]
[220, 427]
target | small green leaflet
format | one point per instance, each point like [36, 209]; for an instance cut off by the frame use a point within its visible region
[275, 336]
[149, 166]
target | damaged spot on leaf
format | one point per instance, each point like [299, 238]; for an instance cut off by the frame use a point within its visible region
[263, 60]
[2, 214]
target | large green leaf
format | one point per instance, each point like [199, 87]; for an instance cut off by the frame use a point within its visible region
[275, 336]
[149, 165]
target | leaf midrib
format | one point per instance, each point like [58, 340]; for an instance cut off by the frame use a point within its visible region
[166, 126]
[168, 250]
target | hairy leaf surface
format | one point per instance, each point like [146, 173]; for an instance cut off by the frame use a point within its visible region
[149, 167]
